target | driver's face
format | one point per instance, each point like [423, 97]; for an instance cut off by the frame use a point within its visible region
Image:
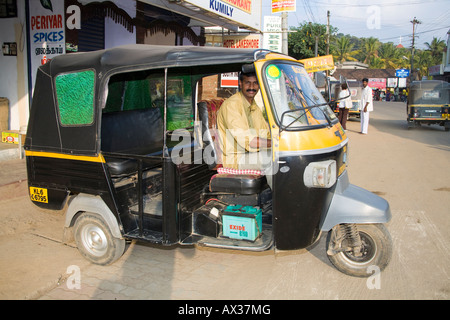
[249, 87]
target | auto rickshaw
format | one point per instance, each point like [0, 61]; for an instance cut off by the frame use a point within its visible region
[124, 140]
[355, 88]
[428, 103]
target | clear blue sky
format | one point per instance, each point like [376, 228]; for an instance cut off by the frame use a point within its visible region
[387, 20]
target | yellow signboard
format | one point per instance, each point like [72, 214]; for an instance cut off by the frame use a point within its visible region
[244, 5]
[10, 137]
[318, 63]
[283, 6]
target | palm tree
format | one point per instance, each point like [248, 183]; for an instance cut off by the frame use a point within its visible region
[436, 48]
[376, 63]
[369, 48]
[389, 55]
[342, 50]
[422, 60]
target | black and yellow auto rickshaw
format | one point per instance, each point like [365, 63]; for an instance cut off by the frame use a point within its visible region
[355, 89]
[125, 138]
[429, 103]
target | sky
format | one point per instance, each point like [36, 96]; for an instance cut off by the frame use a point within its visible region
[387, 20]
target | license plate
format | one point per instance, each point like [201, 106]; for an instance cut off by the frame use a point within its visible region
[38, 194]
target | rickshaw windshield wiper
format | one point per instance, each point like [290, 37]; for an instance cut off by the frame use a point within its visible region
[282, 127]
[301, 98]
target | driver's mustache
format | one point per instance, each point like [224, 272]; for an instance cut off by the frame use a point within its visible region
[251, 90]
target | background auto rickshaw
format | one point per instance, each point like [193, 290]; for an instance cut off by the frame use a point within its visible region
[428, 103]
[355, 88]
[126, 138]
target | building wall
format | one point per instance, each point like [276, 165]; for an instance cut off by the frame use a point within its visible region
[116, 34]
[13, 75]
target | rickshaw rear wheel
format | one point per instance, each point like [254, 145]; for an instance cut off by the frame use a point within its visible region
[95, 241]
[375, 251]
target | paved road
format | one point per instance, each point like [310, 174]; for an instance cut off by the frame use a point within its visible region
[410, 168]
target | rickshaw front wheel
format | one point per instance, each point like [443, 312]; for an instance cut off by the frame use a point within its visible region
[373, 255]
[95, 240]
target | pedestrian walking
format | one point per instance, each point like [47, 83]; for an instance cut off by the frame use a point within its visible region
[344, 105]
[366, 106]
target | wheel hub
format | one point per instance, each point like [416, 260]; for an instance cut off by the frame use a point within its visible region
[94, 240]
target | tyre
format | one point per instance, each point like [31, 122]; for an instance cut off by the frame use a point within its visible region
[95, 240]
[376, 250]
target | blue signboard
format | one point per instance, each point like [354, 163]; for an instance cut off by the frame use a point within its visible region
[402, 73]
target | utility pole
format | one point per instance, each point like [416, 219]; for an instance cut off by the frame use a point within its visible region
[414, 22]
[328, 32]
[284, 30]
[328, 39]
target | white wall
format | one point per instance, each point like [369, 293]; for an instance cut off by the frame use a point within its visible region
[13, 70]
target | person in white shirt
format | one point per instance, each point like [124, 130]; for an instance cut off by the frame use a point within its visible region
[366, 106]
[344, 105]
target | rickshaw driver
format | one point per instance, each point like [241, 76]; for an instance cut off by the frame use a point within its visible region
[244, 134]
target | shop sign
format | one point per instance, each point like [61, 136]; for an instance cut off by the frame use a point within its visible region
[392, 82]
[229, 80]
[47, 32]
[283, 6]
[402, 73]
[318, 63]
[436, 70]
[241, 42]
[377, 83]
[272, 33]
[244, 12]
[244, 5]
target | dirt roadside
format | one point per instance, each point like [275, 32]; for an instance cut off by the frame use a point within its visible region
[32, 259]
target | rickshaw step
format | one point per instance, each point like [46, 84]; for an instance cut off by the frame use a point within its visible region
[148, 235]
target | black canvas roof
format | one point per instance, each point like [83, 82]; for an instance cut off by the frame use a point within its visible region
[135, 57]
[430, 84]
[46, 133]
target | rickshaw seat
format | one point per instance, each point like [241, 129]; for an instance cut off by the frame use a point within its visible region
[121, 167]
[236, 181]
[132, 132]
[241, 184]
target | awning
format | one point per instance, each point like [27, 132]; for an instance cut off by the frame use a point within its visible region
[228, 14]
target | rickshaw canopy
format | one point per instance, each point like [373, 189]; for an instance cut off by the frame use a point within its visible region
[74, 86]
[429, 92]
[136, 57]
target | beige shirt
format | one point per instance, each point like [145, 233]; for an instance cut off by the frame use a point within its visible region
[239, 123]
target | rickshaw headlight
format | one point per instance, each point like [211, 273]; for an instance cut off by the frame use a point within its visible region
[320, 174]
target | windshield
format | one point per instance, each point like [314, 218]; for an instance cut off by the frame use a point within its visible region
[297, 103]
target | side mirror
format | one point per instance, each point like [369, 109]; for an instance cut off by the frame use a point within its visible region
[320, 79]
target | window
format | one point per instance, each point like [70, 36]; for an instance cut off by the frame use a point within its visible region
[146, 89]
[8, 8]
[75, 95]
[297, 103]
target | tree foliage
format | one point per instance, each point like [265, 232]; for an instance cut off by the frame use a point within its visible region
[302, 40]
[378, 55]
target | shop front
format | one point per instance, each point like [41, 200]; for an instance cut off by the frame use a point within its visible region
[51, 28]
